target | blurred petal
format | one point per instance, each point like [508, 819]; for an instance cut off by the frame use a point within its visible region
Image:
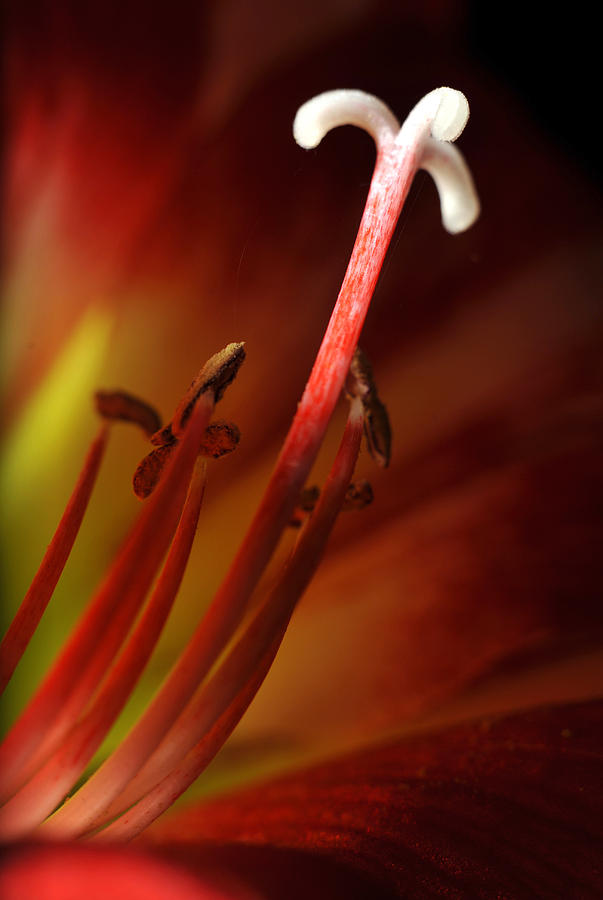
[483, 542]
[507, 807]
[72, 872]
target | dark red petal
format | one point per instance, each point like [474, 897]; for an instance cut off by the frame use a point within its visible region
[506, 808]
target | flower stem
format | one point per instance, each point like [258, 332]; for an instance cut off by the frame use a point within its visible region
[32, 608]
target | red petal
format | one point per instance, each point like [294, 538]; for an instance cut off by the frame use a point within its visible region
[510, 808]
[74, 872]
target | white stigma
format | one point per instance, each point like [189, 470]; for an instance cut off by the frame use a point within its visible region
[451, 115]
[432, 124]
[459, 203]
[343, 107]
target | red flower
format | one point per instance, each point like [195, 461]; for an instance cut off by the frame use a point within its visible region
[470, 586]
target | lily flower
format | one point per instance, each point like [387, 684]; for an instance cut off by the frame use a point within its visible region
[437, 604]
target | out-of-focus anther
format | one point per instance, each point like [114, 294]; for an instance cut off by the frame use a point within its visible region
[126, 407]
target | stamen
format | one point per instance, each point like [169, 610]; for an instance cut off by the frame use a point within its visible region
[134, 821]
[96, 640]
[50, 784]
[32, 608]
[101, 630]
[200, 731]
[112, 406]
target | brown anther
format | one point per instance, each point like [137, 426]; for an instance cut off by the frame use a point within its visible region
[358, 495]
[378, 433]
[308, 498]
[220, 438]
[360, 383]
[149, 470]
[217, 373]
[127, 408]
[164, 436]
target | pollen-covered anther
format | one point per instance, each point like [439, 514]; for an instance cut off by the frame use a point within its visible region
[119, 405]
[148, 472]
[217, 374]
[164, 436]
[220, 439]
[360, 383]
